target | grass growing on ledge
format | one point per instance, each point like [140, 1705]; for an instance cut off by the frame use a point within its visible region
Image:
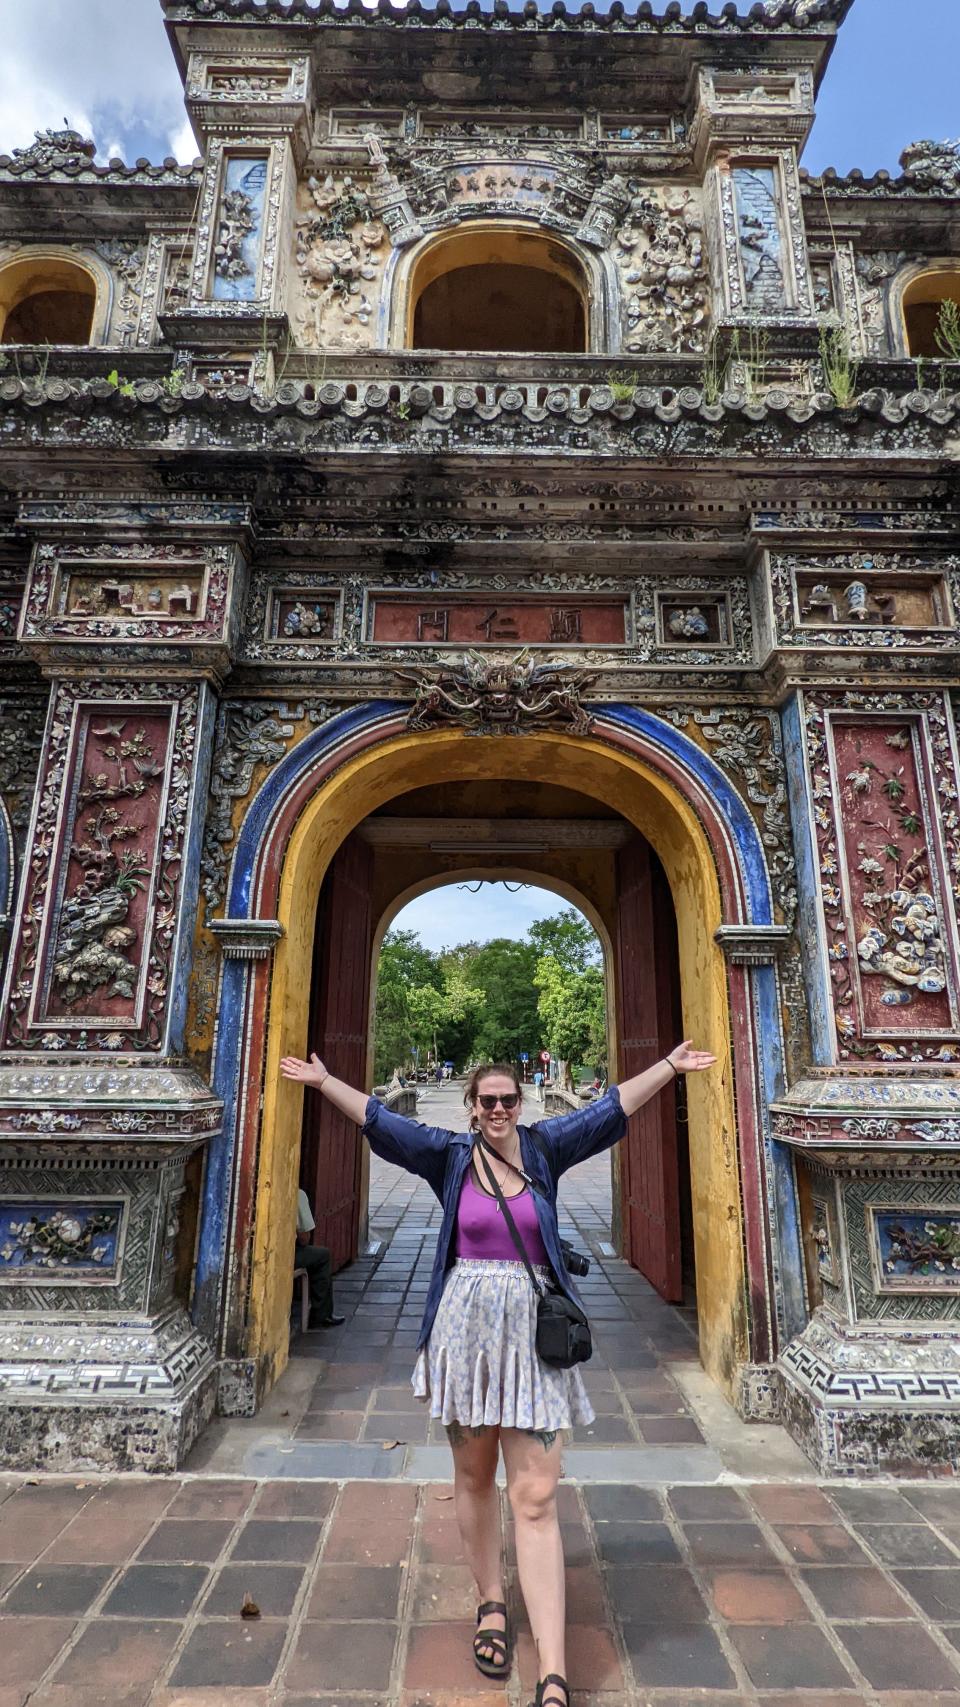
[624, 387]
[840, 372]
[715, 365]
[948, 329]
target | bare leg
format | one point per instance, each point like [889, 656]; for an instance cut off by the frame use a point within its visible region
[533, 1468]
[477, 1504]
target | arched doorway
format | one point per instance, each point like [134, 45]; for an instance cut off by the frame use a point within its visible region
[922, 305]
[424, 839]
[659, 783]
[495, 286]
[47, 299]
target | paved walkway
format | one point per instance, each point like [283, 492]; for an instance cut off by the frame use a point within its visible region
[705, 1566]
[130, 1594]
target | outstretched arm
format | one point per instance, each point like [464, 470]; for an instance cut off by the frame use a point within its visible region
[313, 1072]
[394, 1137]
[638, 1090]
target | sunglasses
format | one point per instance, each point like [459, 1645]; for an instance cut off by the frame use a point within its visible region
[508, 1102]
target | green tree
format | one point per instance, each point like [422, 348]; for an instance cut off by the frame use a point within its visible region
[568, 939]
[573, 1012]
[508, 1023]
[403, 965]
[435, 1014]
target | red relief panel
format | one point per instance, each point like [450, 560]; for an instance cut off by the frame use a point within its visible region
[96, 932]
[889, 853]
[93, 966]
[496, 622]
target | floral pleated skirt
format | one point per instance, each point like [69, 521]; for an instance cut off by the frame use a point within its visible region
[480, 1365]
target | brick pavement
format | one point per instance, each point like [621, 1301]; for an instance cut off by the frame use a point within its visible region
[128, 1594]
[692, 1593]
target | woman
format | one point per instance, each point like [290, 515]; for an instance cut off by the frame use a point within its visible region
[477, 1363]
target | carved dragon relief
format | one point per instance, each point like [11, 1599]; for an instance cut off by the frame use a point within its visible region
[500, 696]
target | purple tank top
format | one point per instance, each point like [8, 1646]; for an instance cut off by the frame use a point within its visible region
[483, 1233]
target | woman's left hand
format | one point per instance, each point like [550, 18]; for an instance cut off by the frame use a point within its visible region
[687, 1060]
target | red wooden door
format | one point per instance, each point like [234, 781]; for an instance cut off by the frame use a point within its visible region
[647, 963]
[330, 1170]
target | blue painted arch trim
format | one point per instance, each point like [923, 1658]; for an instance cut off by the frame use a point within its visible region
[744, 835]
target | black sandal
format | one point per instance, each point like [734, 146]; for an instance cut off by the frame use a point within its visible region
[553, 1682]
[499, 1640]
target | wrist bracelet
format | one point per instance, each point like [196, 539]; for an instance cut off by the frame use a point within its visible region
[324, 1080]
[671, 1066]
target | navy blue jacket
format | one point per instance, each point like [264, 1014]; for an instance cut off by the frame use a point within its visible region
[442, 1158]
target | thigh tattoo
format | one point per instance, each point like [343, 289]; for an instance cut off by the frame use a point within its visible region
[457, 1434]
[546, 1436]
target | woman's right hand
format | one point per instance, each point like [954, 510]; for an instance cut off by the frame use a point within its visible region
[312, 1072]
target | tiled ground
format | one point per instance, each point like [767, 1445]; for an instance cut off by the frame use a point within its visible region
[128, 1594]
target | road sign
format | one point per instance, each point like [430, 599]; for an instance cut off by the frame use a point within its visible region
[544, 1054]
[523, 1055]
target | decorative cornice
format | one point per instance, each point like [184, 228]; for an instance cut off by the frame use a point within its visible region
[767, 17]
[752, 945]
[486, 402]
[930, 169]
[246, 939]
[64, 156]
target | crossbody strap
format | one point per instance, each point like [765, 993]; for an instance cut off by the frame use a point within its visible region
[485, 1144]
[511, 1225]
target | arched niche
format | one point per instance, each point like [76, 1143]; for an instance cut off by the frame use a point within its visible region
[922, 296]
[497, 285]
[51, 296]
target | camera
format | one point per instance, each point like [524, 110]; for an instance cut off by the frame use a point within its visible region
[575, 1260]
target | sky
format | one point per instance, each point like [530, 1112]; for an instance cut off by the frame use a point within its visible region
[454, 914]
[106, 66]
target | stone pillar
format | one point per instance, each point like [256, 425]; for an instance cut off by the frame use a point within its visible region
[100, 1365]
[873, 1381]
[253, 112]
[770, 1217]
[746, 130]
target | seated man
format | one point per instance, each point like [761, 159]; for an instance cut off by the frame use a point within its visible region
[316, 1260]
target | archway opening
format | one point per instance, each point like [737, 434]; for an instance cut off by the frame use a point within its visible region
[499, 289]
[613, 783]
[923, 310]
[46, 301]
[592, 914]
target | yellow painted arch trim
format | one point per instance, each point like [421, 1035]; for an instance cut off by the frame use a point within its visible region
[630, 786]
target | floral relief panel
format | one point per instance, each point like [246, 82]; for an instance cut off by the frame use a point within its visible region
[884, 787]
[91, 961]
[341, 250]
[66, 1242]
[916, 1251]
[236, 249]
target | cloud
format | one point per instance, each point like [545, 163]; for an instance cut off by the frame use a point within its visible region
[105, 66]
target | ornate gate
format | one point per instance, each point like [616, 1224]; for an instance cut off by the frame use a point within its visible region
[648, 1028]
[330, 1166]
